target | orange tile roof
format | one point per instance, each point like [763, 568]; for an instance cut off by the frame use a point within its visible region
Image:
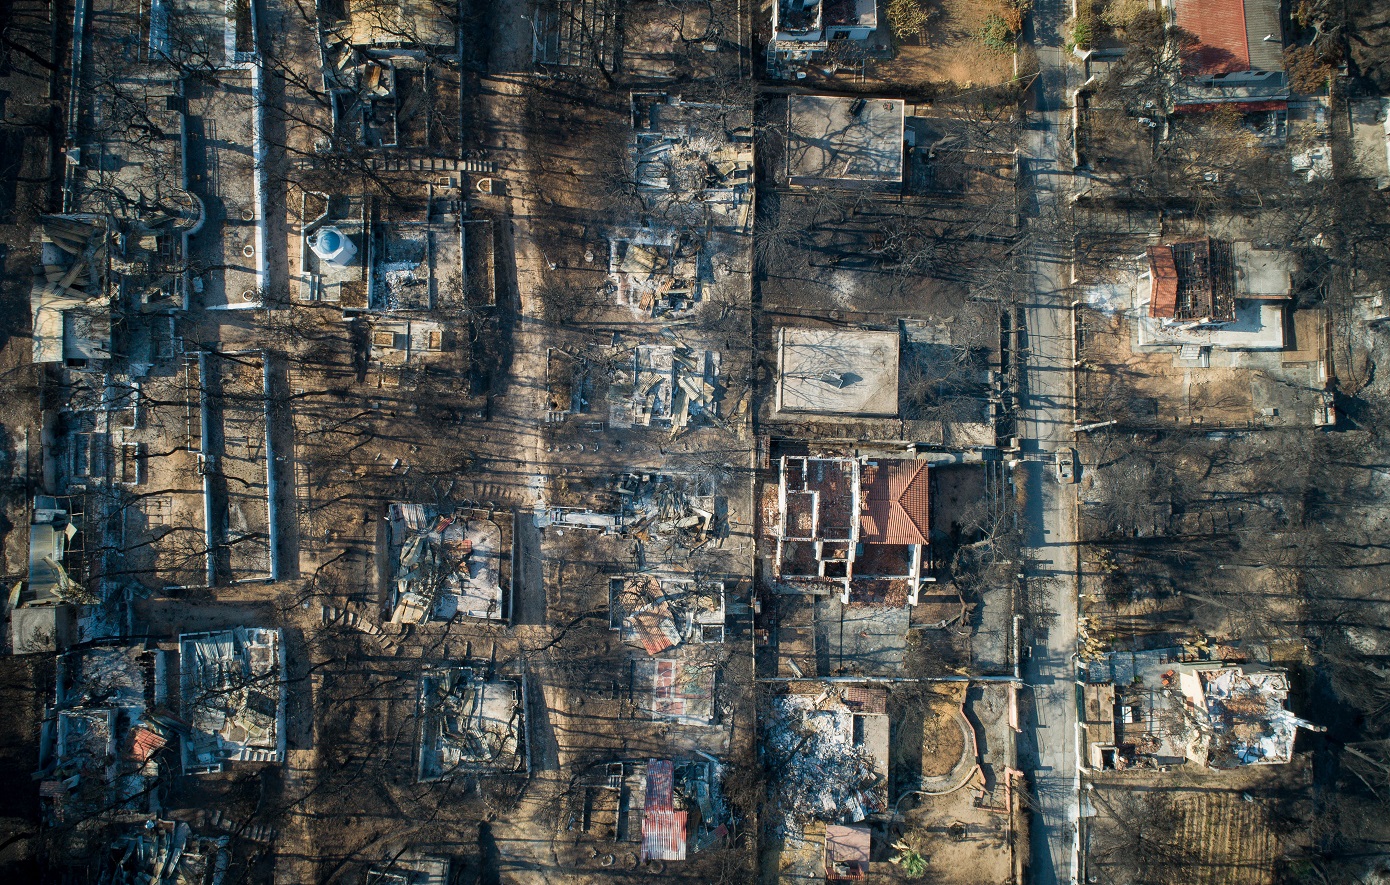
[144, 743]
[897, 508]
[654, 627]
[867, 699]
[1220, 29]
[1163, 302]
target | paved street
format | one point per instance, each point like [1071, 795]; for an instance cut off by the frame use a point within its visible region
[1048, 746]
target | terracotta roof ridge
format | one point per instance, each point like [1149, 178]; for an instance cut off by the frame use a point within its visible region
[921, 520]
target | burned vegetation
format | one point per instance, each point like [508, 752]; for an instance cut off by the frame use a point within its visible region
[447, 441]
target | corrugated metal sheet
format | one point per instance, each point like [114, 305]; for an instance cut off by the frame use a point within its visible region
[663, 835]
[661, 785]
[663, 828]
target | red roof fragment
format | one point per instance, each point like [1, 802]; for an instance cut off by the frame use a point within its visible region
[144, 743]
[663, 828]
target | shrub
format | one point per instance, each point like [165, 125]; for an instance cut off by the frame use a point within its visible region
[1307, 73]
[913, 864]
[996, 35]
[1014, 12]
[906, 18]
[1081, 32]
[1118, 14]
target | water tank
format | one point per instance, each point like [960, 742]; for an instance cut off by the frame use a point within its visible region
[331, 244]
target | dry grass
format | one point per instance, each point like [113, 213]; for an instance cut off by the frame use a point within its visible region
[1227, 828]
[942, 742]
[1155, 390]
[950, 51]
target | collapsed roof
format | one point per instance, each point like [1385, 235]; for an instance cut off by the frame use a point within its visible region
[659, 613]
[1241, 715]
[446, 564]
[824, 769]
[693, 160]
[164, 853]
[656, 272]
[70, 304]
[101, 752]
[469, 722]
[232, 688]
[1193, 281]
[671, 387]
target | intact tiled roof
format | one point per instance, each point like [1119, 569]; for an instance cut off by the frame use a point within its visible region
[1164, 271]
[1220, 27]
[897, 509]
[1261, 22]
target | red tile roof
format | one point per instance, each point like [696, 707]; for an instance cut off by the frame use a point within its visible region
[654, 627]
[867, 699]
[1220, 29]
[1163, 270]
[144, 743]
[896, 505]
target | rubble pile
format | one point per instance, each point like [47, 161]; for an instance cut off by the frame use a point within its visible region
[448, 564]
[165, 853]
[470, 721]
[233, 694]
[820, 774]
